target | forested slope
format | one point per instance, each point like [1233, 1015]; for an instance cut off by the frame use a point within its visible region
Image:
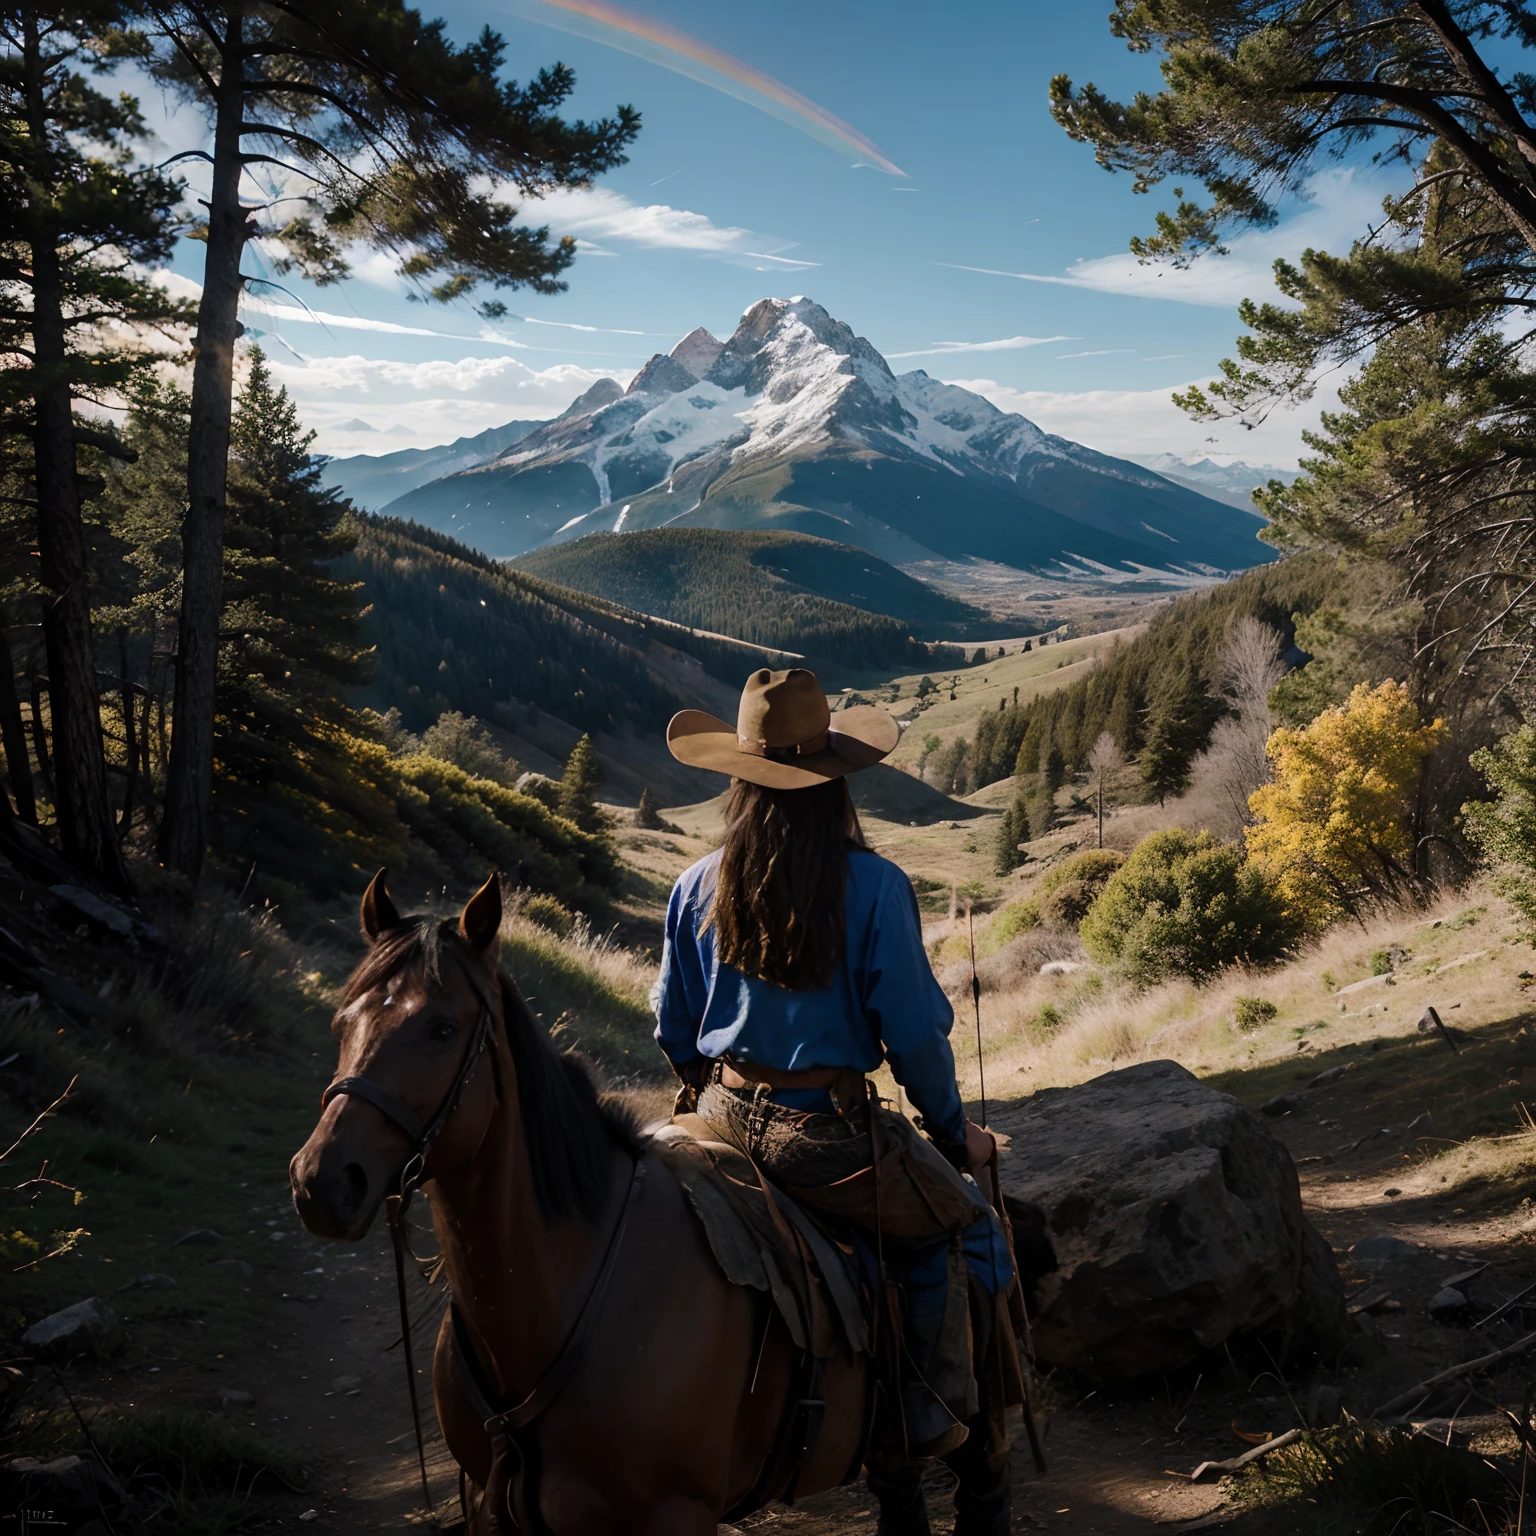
[1168, 671]
[455, 630]
[786, 590]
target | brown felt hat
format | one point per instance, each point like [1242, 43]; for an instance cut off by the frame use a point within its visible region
[785, 737]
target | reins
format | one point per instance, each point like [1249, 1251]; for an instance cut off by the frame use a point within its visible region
[422, 1134]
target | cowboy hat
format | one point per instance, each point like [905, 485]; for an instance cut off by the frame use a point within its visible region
[785, 736]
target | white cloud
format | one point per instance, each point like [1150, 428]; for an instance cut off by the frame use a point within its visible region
[600, 213]
[416, 405]
[1004, 344]
[1061, 357]
[1146, 421]
[1337, 209]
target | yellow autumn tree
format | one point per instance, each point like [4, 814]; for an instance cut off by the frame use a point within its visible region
[1335, 827]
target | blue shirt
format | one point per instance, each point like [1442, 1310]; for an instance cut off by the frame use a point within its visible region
[883, 1001]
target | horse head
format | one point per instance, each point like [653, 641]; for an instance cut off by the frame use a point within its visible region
[413, 1095]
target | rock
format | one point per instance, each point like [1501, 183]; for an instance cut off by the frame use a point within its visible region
[228, 1397]
[199, 1237]
[72, 1488]
[1331, 1075]
[1281, 1104]
[1176, 1221]
[1061, 967]
[1449, 1305]
[150, 1282]
[237, 1266]
[346, 1384]
[90, 1327]
[1381, 1250]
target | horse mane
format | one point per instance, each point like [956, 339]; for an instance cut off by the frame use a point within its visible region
[569, 1127]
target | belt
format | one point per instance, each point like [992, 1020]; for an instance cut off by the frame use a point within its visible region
[846, 1083]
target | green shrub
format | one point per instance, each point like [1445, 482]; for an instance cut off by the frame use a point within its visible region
[1381, 962]
[1068, 891]
[1250, 1013]
[1008, 923]
[549, 913]
[1186, 905]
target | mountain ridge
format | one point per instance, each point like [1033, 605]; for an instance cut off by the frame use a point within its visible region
[799, 423]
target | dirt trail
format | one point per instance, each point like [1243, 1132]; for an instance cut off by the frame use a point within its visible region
[326, 1376]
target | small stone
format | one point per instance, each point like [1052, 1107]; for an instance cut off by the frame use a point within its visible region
[345, 1384]
[1448, 1306]
[230, 1397]
[310, 1514]
[200, 1237]
[236, 1266]
[1392, 1194]
[90, 1327]
[150, 1282]
[1281, 1104]
[1381, 1249]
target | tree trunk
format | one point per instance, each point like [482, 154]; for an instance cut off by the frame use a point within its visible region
[130, 742]
[13, 735]
[86, 830]
[36, 688]
[184, 825]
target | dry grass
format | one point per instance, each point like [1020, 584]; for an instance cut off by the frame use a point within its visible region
[1059, 1029]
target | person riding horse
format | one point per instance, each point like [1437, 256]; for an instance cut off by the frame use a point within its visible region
[794, 965]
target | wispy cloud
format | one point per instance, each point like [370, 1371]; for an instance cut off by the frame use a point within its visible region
[1163, 357]
[600, 213]
[1332, 216]
[1061, 357]
[1146, 421]
[424, 403]
[1003, 344]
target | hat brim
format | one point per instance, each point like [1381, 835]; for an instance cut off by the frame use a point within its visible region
[857, 738]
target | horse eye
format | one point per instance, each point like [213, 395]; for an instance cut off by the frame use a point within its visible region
[442, 1030]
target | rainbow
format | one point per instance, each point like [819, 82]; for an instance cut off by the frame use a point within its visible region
[655, 41]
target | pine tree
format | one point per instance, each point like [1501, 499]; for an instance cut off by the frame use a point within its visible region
[1054, 768]
[290, 793]
[647, 814]
[1178, 725]
[404, 141]
[578, 786]
[1013, 830]
[78, 220]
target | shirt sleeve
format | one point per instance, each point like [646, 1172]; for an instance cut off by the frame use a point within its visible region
[909, 1012]
[681, 990]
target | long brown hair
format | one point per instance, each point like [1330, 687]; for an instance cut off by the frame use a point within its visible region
[778, 907]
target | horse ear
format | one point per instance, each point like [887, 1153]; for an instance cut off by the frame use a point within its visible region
[378, 911]
[480, 921]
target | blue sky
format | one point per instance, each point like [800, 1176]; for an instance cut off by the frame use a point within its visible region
[722, 203]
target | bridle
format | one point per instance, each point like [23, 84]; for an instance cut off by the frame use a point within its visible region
[421, 1134]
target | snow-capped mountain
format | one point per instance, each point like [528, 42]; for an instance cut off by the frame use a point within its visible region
[796, 422]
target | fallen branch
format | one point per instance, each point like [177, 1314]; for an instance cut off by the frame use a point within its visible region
[1499, 1312]
[37, 1124]
[1237, 1463]
[1455, 1373]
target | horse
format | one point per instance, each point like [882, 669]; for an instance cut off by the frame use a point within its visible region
[639, 1390]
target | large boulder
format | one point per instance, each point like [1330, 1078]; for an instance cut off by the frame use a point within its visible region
[1176, 1223]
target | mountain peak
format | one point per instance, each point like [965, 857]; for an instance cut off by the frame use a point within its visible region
[697, 351]
[603, 392]
[663, 375]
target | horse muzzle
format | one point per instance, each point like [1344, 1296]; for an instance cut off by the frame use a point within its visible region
[338, 1184]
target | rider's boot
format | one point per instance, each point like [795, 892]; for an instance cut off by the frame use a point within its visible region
[984, 1499]
[899, 1490]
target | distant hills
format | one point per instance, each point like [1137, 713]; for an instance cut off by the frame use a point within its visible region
[795, 423]
[787, 590]
[373, 480]
[1232, 483]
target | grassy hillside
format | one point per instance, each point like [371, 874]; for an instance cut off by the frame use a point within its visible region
[778, 589]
